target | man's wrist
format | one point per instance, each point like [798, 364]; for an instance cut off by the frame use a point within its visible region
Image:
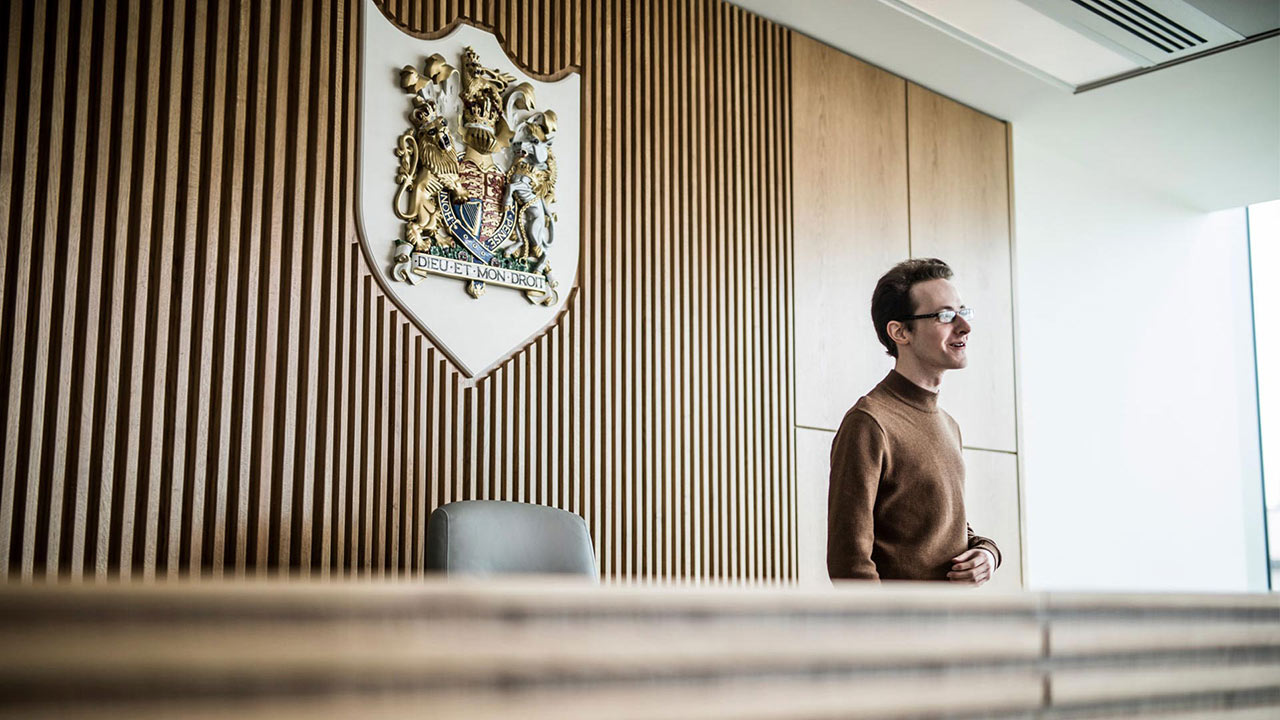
[990, 555]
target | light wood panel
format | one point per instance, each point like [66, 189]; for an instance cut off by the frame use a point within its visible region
[813, 477]
[850, 155]
[959, 191]
[202, 377]
[885, 170]
[991, 503]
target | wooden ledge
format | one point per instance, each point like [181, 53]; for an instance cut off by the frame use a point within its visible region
[543, 647]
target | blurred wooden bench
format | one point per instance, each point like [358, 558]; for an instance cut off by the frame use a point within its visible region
[535, 649]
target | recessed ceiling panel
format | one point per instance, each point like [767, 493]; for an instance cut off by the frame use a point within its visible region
[1153, 31]
[1030, 37]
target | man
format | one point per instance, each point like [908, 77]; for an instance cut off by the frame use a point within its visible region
[895, 507]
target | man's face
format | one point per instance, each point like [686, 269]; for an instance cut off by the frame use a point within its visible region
[936, 345]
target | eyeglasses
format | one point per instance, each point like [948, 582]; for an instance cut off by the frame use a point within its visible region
[945, 316]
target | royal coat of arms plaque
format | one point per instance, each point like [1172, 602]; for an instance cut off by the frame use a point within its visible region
[468, 188]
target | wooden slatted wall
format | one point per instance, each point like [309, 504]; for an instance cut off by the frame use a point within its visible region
[202, 377]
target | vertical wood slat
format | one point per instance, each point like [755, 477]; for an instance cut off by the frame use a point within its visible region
[20, 226]
[83, 334]
[246, 341]
[175, 246]
[244, 399]
[44, 392]
[118, 550]
[65, 531]
[187, 520]
[10, 146]
[72, 184]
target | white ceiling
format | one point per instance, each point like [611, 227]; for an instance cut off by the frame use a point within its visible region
[1024, 36]
[1206, 132]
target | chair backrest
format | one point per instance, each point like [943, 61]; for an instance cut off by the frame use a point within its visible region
[493, 537]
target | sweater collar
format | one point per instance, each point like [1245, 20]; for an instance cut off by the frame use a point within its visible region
[909, 392]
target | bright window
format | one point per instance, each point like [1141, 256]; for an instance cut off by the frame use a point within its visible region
[1264, 261]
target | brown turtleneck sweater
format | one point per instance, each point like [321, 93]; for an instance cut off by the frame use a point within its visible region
[895, 506]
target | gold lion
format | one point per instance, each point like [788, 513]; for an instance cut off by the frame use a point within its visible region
[428, 164]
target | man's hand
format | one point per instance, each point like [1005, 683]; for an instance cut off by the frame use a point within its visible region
[973, 566]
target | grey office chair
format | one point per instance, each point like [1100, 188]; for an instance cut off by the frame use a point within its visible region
[492, 537]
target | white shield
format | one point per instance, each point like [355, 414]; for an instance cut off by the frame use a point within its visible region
[477, 333]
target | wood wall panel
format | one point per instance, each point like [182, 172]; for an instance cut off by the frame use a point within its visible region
[886, 170]
[850, 152]
[202, 376]
[991, 501]
[813, 471]
[959, 185]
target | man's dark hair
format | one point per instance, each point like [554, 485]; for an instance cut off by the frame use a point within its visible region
[892, 297]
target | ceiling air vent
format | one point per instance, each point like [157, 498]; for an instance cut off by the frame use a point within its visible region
[1150, 32]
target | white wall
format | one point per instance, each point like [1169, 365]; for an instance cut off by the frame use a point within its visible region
[1137, 386]
[1139, 410]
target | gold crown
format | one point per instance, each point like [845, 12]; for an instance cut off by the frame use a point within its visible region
[482, 99]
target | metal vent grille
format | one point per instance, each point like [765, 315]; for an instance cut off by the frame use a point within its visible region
[1145, 23]
[1149, 32]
